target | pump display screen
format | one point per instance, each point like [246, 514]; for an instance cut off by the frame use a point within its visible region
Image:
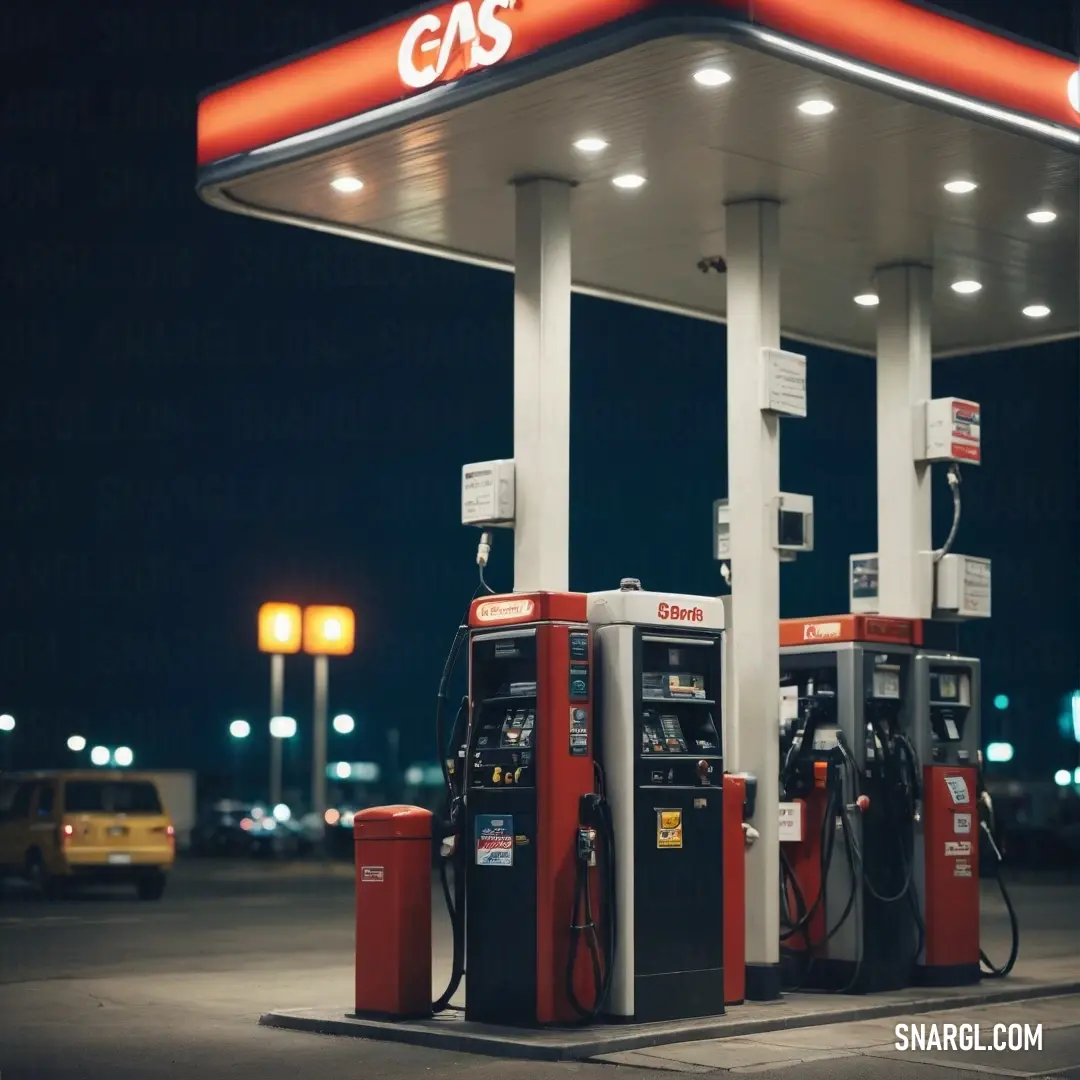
[674, 684]
[948, 689]
[886, 683]
[503, 746]
[518, 728]
[661, 734]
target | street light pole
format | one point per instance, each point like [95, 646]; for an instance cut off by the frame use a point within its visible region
[328, 631]
[280, 633]
[277, 708]
[318, 764]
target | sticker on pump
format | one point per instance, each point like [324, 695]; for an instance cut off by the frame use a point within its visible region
[372, 873]
[958, 789]
[790, 821]
[669, 828]
[954, 848]
[961, 824]
[494, 840]
[825, 738]
[961, 868]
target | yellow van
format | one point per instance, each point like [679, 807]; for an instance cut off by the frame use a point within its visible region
[100, 826]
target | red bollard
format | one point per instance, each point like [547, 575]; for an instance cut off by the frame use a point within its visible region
[393, 911]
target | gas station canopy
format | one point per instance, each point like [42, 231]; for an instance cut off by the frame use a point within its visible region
[889, 132]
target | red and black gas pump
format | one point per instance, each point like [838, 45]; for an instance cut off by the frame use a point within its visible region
[948, 739]
[534, 831]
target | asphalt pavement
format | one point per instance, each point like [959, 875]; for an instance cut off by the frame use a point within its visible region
[104, 986]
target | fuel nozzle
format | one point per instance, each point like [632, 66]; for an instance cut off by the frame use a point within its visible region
[586, 846]
[860, 805]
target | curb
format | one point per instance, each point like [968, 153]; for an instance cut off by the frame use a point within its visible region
[460, 1036]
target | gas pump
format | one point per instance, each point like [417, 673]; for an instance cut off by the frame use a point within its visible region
[851, 787]
[661, 752]
[534, 832]
[947, 692]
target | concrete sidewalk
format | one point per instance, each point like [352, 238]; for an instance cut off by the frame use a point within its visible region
[1055, 1021]
[1048, 966]
[1039, 978]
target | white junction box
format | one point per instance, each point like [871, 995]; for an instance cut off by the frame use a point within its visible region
[783, 383]
[951, 431]
[962, 587]
[793, 526]
[487, 494]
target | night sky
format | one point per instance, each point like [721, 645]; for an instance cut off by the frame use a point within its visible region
[201, 412]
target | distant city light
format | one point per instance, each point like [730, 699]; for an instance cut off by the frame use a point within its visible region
[332, 817]
[343, 770]
[7, 722]
[76, 743]
[100, 755]
[999, 752]
[123, 756]
[1001, 702]
[283, 727]
[239, 729]
[1076, 776]
[1075, 707]
[344, 724]
[282, 812]
[1063, 778]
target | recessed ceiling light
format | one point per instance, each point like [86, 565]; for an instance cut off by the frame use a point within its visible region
[711, 76]
[960, 187]
[1036, 311]
[966, 288]
[347, 185]
[1042, 217]
[816, 107]
[590, 145]
[629, 181]
[867, 300]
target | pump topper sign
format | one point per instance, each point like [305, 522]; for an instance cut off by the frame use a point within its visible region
[473, 36]
[500, 611]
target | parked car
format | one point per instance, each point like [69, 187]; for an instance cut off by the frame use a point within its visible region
[58, 829]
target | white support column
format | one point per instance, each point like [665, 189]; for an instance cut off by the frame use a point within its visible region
[542, 386]
[753, 320]
[905, 588]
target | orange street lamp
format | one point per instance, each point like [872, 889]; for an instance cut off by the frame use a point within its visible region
[328, 631]
[280, 629]
[280, 633]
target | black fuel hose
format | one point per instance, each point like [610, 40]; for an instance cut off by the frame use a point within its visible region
[583, 923]
[989, 970]
[834, 806]
[455, 901]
